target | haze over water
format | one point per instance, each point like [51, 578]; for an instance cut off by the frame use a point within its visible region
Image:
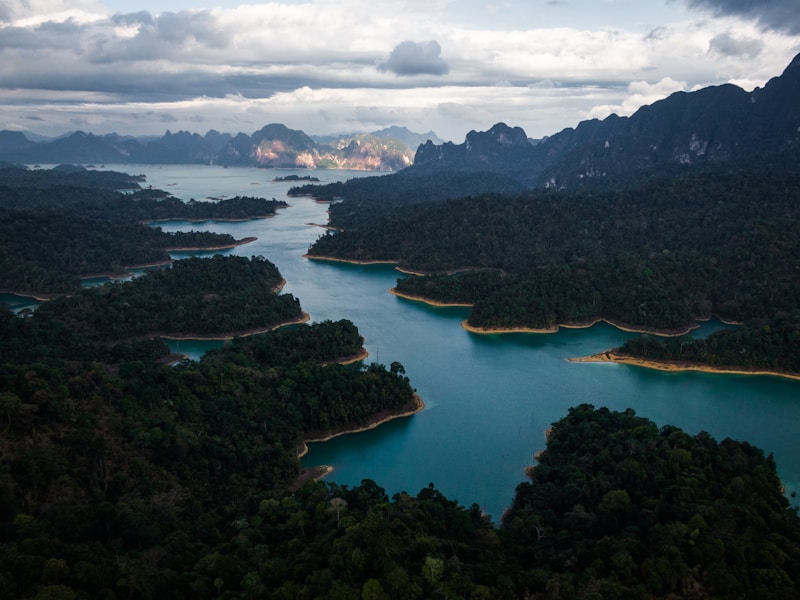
[489, 398]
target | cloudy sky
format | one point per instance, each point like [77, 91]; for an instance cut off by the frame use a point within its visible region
[333, 66]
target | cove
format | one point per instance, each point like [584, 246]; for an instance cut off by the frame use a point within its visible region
[489, 398]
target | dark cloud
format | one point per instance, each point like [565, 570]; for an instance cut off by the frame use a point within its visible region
[725, 44]
[416, 58]
[777, 15]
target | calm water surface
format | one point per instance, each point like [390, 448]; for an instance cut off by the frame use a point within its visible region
[489, 398]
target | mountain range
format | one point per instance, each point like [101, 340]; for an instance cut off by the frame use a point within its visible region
[717, 125]
[713, 126]
[274, 146]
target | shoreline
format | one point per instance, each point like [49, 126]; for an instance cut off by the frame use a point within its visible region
[555, 328]
[349, 360]
[609, 356]
[350, 261]
[304, 318]
[207, 219]
[40, 297]
[417, 404]
[234, 244]
[394, 292]
[162, 263]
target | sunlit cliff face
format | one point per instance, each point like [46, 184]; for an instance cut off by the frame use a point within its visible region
[306, 160]
[267, 151]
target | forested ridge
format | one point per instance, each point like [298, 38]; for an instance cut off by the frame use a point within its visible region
[219, 296]
[47, 251]
[60, 224]
[139, 205]
[655, 257]
[771, 345]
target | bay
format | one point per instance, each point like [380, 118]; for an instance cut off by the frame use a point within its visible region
[489, 398]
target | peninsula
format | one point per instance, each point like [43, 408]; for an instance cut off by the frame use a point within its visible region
[675, 366]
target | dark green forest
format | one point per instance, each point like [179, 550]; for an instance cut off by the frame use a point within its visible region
[759, 344]
[121, 477]
[59, 224]
[655, 257]
[47, 251]
[219, 296]
[172, 482]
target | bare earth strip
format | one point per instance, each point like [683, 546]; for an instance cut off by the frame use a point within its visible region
[676, 366]
[427, 301]
[556, 327]
[352, 262]
[229, 336]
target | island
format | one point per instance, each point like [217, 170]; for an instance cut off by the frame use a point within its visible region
[62, 225]
[756, 347]
[639, 257]
[124, 477]
[309, 178]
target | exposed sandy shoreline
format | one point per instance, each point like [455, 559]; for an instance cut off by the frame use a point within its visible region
[414, 406]
[425, 300]
[43, 297]
[555, 328]
[676, 366]
[352, 262]
[349, 360]
[233, 244]
[229, 336]
[33, 295]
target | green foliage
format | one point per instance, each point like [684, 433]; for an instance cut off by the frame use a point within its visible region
[57, 225]
[148, 481]
[223, 295]
[618, 508]
[759, 344]
[46, 251]
[656, 257]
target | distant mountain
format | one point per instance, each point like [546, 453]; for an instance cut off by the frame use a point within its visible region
[714, 126]
[274, 146]
[501, 149]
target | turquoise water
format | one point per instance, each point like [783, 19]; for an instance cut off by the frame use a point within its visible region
[488, 398]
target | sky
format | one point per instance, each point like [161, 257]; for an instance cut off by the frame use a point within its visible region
[142, 67]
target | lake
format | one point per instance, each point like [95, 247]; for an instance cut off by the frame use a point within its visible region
[489, 398]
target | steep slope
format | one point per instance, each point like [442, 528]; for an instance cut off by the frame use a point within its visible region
[714, 126]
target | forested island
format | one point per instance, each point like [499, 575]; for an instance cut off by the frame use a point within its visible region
[759, 346]
[61, 224]
[219, 297]
[652, 258]
[309, 178]
[122, 477]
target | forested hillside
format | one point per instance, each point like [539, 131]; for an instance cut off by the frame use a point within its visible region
[60, 224]
[618, 508]
[47, 251]
[124, 478]
[169, 482]
[219, 296]
[655, 257]
[771, 345]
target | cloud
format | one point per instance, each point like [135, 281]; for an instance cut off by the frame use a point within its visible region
[416, 58]
[776, 15]
[641, 93]
[726, 44]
